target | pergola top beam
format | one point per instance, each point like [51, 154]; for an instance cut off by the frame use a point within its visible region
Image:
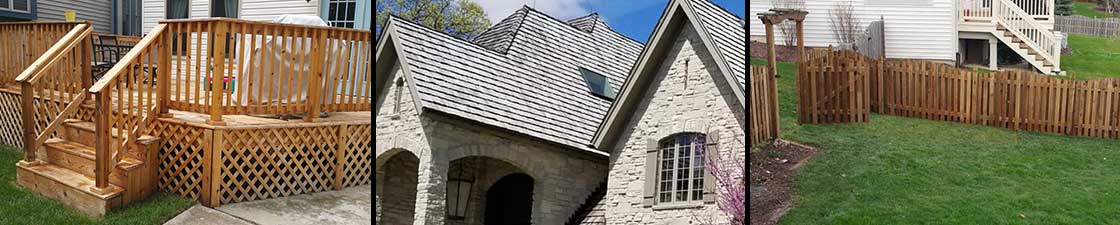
[777, 16]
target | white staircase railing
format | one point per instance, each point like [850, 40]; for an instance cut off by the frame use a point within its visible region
[1034, 34]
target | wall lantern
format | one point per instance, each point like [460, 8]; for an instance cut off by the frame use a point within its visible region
[459, 193]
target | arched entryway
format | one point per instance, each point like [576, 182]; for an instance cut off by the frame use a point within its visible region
[396, 187]
[484, 190]
[510, 201]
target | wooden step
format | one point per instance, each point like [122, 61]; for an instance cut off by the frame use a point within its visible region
[82, 158]
[70, 188]
[85, 132]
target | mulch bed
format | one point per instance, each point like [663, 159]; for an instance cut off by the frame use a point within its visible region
[772, 170]
[785, 53]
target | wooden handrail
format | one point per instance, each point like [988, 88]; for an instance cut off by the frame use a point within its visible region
[68, 41]
[131, 56]
[57, 88]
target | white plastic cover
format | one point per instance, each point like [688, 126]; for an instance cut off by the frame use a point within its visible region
[295, 63]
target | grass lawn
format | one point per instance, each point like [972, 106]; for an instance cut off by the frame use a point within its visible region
[1086, 9]
[896, 170]
[22, 206]
[1092, 57]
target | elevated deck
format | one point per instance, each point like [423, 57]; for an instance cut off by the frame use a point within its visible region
[213, 119]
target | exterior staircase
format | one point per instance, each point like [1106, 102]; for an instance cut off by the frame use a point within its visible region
[1036, 43]
[67, 172]
[592, 211]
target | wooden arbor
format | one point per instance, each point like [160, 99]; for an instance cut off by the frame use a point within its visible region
[777, 16]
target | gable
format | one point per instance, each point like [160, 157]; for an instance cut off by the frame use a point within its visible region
[715, 36]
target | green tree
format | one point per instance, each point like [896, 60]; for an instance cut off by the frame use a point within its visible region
[460, 18]
[1063, 7]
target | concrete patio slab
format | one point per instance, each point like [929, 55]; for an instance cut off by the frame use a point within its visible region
[201, 215]
[349, 206]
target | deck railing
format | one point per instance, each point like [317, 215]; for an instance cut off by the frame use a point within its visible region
[24, 42]
[983, 10]
[55, 82]
[227, 66]
[267, 68]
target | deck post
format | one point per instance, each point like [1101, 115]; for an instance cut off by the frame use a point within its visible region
[87, 59]
[217, 80]
[27, 102]
[163, 75]
[102, 157]
[315, 85]
[340, 157]
[993, 54]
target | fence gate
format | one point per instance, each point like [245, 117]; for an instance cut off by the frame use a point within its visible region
[832, 87]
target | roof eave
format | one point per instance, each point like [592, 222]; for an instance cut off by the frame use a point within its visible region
[397, 54]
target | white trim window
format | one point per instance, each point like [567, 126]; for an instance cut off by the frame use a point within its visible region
[681, 168]
[15, 5]
[341, 13]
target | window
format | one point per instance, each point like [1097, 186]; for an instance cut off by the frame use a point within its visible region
[223, 8]
[14, 5]
[131, 24]
[681, 168]
[178, 9]
[340, 13]
[599, 84]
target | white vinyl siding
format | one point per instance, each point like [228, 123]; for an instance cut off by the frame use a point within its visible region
[915, 29]
[259, 10]
[97, 11]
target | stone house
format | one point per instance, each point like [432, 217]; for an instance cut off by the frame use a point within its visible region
[525, 123]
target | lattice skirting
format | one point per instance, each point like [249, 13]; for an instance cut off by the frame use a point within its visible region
[11, 121]
[262, 163]
[11, 129]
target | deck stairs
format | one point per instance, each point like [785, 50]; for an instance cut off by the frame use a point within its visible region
[66, 171]
[1035, 42]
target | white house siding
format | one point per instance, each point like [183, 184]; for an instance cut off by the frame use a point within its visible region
[97, 11]
[259, 10]
[915, 29]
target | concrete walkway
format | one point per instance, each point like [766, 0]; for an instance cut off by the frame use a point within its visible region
[349, 206]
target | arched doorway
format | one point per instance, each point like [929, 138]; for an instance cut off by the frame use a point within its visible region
[510, 201]
[396, 187]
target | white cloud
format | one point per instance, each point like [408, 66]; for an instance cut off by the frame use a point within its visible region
[496, 10]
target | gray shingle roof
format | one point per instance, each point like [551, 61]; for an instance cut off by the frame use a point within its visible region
[534, 88]
[727, 32]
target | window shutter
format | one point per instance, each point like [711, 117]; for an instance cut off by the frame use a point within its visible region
[710, 151]
[649, 197]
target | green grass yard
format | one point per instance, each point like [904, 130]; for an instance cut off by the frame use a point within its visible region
[896, 170]
[1092, 57]
[1086, 9]
[22, 206]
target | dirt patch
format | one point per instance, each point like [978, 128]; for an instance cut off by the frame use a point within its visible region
[772, 169]
[785, 53]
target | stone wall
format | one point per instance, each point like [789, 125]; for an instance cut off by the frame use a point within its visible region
[396, 189]
[683, 97]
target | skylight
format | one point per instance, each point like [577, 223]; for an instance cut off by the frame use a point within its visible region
[599, 84]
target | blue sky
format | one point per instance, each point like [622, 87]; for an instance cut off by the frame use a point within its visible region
[634, 18]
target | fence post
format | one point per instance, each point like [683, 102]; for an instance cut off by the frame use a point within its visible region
[217, 80]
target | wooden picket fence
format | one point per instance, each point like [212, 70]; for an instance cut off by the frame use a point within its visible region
[832, 87]
[1016, 100]
[763, 106]
[1100, 27]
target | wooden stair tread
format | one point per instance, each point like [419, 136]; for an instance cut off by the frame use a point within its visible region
[92, 127]
[73, 179]
[73, 148]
